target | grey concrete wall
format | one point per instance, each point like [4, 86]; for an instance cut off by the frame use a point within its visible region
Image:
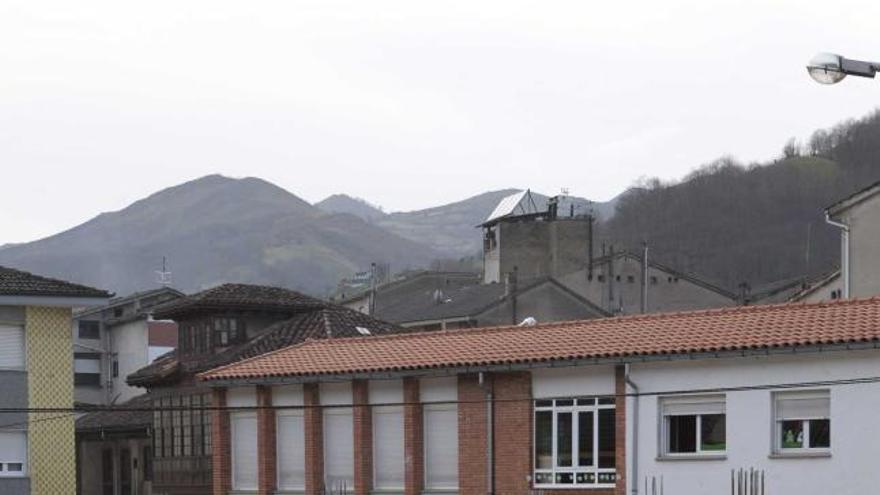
[666, 291]
[15, 486]
[864, 222]
[545, 303]
[538, 249]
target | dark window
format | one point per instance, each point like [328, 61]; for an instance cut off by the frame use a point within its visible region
[107, 471]
[87, 369]
[147, 462]
[653, 280]
[607, 458]
[630, 278]
[90, 329]
[118, 312]
[115, 368]
[601, 278]
[585, 439]
[682, 434]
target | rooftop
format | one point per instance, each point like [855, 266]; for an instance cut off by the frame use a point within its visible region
[662, 334]
[20, 283]
[238, 297]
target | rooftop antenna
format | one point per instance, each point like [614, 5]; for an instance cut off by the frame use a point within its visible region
[163, 276]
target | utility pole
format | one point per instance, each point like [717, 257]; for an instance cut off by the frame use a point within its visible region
[372, 289]
[645, 277]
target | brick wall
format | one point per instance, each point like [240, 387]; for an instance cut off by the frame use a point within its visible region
[221, 460]
[363, 438]
[314, 439]
[472, 435]
[513, 432]
[266, 464]
[413, 450]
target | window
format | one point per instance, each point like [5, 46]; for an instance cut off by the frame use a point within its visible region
[89, 329]
[802, 421]
[693, 426]
[11, 347]
[115, 368]
[339, 449]
[87, 369]
[441, 446]
[244, 451]
[227, 331]
[13, 453]
[388, 462]
[148, 462]
[290, 435]
[575, 442]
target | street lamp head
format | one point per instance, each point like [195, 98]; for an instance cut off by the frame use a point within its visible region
[826, 68]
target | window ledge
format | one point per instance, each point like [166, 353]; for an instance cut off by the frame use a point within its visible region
[387, 491]
[799, 455]
[441, 491]
[692, 457]
[290, 492]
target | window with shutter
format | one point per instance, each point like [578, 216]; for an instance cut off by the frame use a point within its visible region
[802, 421]
[11, 347]
[694, 425]
[244, 451]
[388, 462]
[339, 449]
[13, 453]
[441, 446]
[290, 435]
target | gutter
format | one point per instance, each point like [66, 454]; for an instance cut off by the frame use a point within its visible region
[490, 434]
[844, 252]
[635, 434]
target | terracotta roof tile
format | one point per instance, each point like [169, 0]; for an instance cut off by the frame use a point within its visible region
[741, 328]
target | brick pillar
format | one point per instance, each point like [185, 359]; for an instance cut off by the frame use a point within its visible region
[413, 447]
[363, 438]
[221, 460]
[472, 460]
[620, 429]
[314, 439]
[266, 464]
[513, 432]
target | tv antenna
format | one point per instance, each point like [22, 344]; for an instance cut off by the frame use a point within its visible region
[163, 276]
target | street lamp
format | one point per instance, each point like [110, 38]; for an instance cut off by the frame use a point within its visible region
[828, 68]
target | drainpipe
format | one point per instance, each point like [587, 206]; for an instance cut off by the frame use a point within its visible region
[635, 423]
[844, 252]
[490, 434]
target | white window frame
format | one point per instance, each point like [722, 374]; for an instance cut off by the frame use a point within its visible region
[396, 410]
[710, 403]
[5, 461]
[578, 405]
[778, 449]
[232, 424]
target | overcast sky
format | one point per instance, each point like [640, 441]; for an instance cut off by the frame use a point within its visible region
[407, 104]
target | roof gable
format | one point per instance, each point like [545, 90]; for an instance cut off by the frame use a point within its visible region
[21, 283]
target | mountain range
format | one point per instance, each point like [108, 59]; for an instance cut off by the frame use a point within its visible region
[218, 229]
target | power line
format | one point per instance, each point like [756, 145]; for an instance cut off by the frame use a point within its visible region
[714, 390]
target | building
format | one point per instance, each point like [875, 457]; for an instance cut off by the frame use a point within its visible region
[37, 452]
[605, 406]
[116, 339]
[617, 283]
[858, 216]
[419, 285]
[539, 300]
[827, 288]
[518, 235]
[219, 326]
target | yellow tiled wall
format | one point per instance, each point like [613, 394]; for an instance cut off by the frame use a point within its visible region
[51, 441]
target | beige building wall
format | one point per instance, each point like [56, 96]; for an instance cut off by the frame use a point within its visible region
[51, 441]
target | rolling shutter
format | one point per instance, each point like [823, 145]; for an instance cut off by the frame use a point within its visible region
[291, 451]
[339, 449]
[11, 347]
[244, 451]
[441, 446]
[388, 448]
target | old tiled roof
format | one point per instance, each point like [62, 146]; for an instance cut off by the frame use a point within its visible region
[327, 322]
[463, 302]
[729, 329]
[137, 417]
[20, 283]
[238, 297]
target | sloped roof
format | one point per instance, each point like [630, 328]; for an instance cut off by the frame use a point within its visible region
[21, 283]
[468, 301]
[663, 334]
[694, 279]
[853, 199]
[327, 322]
[123, 300]
[137, 417]
[518, 203]
[242, 297]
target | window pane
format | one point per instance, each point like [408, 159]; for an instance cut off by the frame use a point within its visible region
[682, 434]
[563, 439]
[792, 434]
[544, 440]
[820, 433]
[585, 439]
[606, 438]
[713, 436]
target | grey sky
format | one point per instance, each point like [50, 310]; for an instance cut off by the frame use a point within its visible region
[407, 104]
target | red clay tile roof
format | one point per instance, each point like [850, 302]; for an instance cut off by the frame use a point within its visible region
[729, 329]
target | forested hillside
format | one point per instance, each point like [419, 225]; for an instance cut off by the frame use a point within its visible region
[756, 223]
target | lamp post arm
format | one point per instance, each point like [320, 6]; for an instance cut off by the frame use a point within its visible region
[858, 67]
